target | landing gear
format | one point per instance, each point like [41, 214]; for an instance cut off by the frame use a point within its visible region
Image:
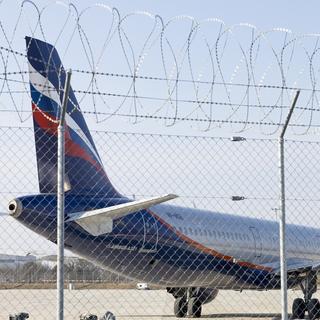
[187, 305]
[189, 301]
[298, 309]
[180, 307]
[194, 308]
[312, 306]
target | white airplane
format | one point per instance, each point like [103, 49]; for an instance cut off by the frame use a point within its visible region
[193, 253]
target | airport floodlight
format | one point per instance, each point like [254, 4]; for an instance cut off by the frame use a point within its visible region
[108, 316]
[235, 139]
[88, 316]
[19, 316]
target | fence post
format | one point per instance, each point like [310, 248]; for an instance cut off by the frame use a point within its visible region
[282, 222]
[60, 201]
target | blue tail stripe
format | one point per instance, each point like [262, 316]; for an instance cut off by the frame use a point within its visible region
[46, 104]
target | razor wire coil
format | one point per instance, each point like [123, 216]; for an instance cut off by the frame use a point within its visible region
[186, 77]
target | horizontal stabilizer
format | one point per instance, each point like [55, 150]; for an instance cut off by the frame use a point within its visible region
[99, 221]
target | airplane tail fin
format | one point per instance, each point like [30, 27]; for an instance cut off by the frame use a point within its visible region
[83, 167]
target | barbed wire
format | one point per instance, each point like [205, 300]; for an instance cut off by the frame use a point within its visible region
[173, 70]
[220, 103]
[143, 77]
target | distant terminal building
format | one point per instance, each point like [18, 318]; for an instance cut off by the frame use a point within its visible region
[12, 261]
[51, 260]
[42, 269]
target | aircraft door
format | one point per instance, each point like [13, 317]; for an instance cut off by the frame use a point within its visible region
[150, 233]
[257, 241]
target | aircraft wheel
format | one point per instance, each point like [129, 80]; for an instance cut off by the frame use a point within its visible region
[298, 308]
[180, 307]
[314, 309]
[194, 308]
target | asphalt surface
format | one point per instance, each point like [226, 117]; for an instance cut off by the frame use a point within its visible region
[137, 304]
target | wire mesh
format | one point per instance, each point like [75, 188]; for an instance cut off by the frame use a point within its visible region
[217, 174]
[212, 250]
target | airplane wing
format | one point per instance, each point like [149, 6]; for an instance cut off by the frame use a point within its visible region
[100, 221]
[296, 266]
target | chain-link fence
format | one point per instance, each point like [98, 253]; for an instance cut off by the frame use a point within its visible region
[219, 255]
[155, 225]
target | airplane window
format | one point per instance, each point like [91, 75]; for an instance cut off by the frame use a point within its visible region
[196, 232]
[214, 234]
[200, 232]
[190, 230]
[223, 235]
[205, 233]
[210, 233]
[236, 236]
[219, 234]
[185, 230]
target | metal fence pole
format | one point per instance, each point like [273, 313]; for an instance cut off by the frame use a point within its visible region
[282, 222]
[60, 201]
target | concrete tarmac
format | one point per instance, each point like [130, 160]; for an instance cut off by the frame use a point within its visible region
[137, 304]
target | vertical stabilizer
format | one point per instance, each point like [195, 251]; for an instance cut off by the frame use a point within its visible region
[83, 167]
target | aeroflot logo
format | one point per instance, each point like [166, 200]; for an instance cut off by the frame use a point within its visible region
[174, 215]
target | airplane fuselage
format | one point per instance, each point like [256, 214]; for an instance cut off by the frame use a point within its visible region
[175, 246]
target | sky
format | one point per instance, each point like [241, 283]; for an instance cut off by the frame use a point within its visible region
[298, 16]
[167, 57]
